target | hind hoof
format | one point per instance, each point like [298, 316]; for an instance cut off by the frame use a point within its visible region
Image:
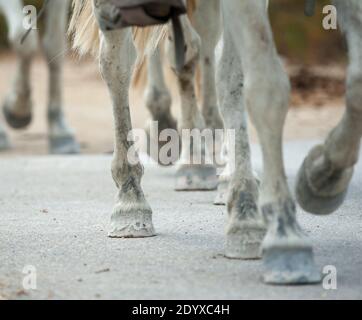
[131, 224]
[196, 178]
[63, 145]
[290, 266]
[15, 121]
[329, 196]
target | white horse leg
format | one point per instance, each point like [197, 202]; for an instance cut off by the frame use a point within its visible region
[158, 98]
[61, 138]
[287, 254]
[17, 106]
[207, 23]
[326, 173]
[132, 215]
[237, 185]
[195, 169]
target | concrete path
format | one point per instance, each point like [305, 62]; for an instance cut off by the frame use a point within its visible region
[54, 216]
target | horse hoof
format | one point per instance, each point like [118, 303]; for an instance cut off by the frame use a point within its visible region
[290, 266]
[63, 145]
[4, 142]
[245, 244]
[222, 193]
[196, 178]
[330, 194]
[15, 121]
[135, 223]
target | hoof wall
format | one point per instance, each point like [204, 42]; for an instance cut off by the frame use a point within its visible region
[132, 225]
[288, 266]
[196, 178]
[245, 243]
[63, 145]
[313, 203]
[15, 121]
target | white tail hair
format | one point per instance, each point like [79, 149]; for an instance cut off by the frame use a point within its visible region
[85, 32]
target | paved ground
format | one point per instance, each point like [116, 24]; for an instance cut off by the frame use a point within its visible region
[54, 216]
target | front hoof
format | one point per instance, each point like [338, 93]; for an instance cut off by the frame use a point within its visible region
[4, 142]
[222, 193]
[245, 243]
[135, 223]
[15, 121]
[290, 266]
[63, 145]
[196, 178]
[328, 193]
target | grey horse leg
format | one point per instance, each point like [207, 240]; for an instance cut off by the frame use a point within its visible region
[325, 175]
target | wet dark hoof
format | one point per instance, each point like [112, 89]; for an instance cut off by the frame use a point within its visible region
[290, 266]
[63, 145]
[196, 178]
[15, 121]
[328, 196]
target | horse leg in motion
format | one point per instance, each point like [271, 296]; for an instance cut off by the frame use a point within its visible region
[325, 175]
[17, 106]
[287, 254]
[132, 215]
[207, 23]
[158, 101]
[61, 138]
[196, 171]
[245, 229]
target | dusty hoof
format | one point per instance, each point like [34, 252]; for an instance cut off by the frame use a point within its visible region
[131, 224]
[196, 178]
[63, 145]
[290, 266]
[222, 193]
[329, 192]
[4, 142]
[15, 121]
[245, 243]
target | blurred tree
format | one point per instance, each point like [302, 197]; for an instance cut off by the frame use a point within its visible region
[301, 38]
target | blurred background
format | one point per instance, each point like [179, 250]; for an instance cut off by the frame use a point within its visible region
[315, 60]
